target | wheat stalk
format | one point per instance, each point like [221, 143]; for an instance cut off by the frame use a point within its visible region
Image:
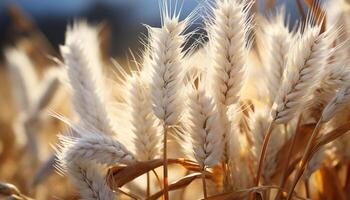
[166, 76]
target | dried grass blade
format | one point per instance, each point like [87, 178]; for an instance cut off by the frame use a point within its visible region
[329, 137]
[183, 182]
[302, 137]
[117, 176]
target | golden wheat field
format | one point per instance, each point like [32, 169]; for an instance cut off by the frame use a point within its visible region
[250, 104]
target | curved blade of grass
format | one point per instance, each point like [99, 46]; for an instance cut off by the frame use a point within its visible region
[118, 176]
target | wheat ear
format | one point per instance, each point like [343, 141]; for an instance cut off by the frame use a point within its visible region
[304, 70]
[80, 54]
[259, 122]
[167, 76]
[204, 125]
[99, 148]
[47, 90]
[91, 184]
[79, 156]
[273, 44]
[144, 125]
[228, 32]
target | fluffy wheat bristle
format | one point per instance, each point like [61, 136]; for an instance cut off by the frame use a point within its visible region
[92, 186]
[204, 125]
[143, 123]
[274, 40]
[80, 155]
[228, 30]
[81, 57]
[228, 33]
[337, 75]
[98, 148]
[304, 70]
[166, 74]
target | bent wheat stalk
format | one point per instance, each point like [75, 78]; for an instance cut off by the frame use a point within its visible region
[333, 106]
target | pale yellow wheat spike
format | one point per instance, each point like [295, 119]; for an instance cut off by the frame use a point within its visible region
[204, 125]
[304, 71]
[81, 56]
[144, 126]
[274, 40]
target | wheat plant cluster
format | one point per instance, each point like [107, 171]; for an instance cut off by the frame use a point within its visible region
[247, 106]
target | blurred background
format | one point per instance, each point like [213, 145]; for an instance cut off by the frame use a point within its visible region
[123, 18]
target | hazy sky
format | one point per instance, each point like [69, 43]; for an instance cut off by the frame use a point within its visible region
[145, 9]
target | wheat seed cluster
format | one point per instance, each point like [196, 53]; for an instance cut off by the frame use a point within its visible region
[246, 106]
